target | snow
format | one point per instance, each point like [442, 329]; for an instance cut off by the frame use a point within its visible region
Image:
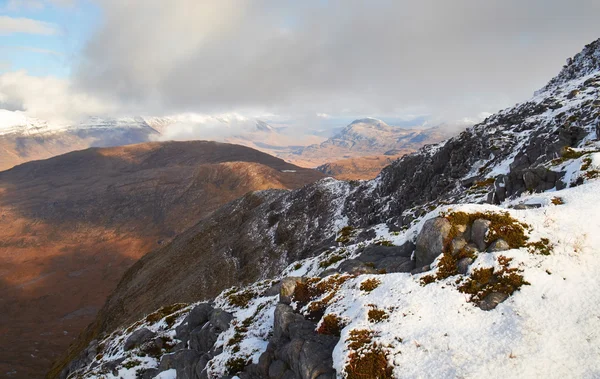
[169, 374]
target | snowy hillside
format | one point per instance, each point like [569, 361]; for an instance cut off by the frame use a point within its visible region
[475, 257]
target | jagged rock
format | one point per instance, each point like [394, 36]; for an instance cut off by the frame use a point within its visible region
[388, 258]
[198, 316]
[498, 245]
[183, 361]
[287, 288]
[283, 318]
[430, 241]
[492, 300]
[463, 265]
[201, 364]
[274, 290]
[138, 337]
[479, 231]
[112, 366]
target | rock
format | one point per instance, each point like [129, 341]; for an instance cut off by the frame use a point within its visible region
[138, 337]
[220, 319]
[355, 267]
[111, 366]
[283, 318]
[527, 206]
[498, 245]
[203, 338]
[201, 364]
[277, 369]
[183, 361]
[430, 241]
[274, 290]
[388, 258]
[463, 265]
[458, 244]
[492, 300]
[149, 373]
[198, 316]
[479, 231]
[287, 288]
[463, 231]
[420, 270]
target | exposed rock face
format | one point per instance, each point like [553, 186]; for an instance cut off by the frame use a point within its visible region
[138, 338]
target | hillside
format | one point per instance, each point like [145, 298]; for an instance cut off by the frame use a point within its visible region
[411, 272]
[360, 168]
[383, 260]
[71, 225]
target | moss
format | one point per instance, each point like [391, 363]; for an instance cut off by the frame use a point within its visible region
[587, 163]
[235, 365]
[557, 200]
[346, 234]
[566, 154]
[502, 225]
[241, 299]
[297, 266]
[331, 260]
[317, 294]
[543, 247]
[170, 320]
[164, 312]
[331, 325]
[383, 243]
[370, 284]
[377, 315]
[483, 183]
[484, 281]
[366, 359]
[592, 174]
[132, 363]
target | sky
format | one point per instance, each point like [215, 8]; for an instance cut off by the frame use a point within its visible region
[314, 61]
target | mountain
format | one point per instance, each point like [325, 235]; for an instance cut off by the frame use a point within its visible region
[366, 137]
[488, 239]
[24, 139]
[71, 225]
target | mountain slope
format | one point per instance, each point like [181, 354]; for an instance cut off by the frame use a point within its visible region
[71, 225]
[548, 143]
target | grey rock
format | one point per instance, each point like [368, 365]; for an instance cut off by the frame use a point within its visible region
[463, 265]
[420, 270]
[492, 300]
[355, 267]
[498, 245]
[198, 316]
[287, 288]
[527, 206]
[430, 241]
[138, 337]
[220, 319]
[183, 361]
[275, 289]
[112, 366]
[149, 373]
[388, 258]
[277, 369]
[201, 364]
[479, 231]
[203, 338]
[283, 318]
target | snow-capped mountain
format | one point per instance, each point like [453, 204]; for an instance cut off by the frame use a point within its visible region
[477, 256]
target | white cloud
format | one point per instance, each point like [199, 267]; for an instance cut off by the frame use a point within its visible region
[13, 25]
[33, 5]
[48, 98]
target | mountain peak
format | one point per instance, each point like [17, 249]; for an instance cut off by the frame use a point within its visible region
[584, 63]
[369, 121]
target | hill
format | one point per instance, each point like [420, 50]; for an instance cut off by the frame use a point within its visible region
[71, 225]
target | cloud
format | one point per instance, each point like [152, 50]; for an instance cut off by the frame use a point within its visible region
[48, 98]
[13, 25]
[32, 49]
[33, 5]
[453, 58]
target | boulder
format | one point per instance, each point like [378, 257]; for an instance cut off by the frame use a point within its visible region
[458, 244]
[277, 369]
[183, 361]
[138, 337]
[492, 300]
[203, 338]
[389, 258]
[479, 231]
[430, 241]
[463, 265]
[498, 245]
[283, 318]
[287, 288]
[220, 319]
[354, 267]
[198, 316]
